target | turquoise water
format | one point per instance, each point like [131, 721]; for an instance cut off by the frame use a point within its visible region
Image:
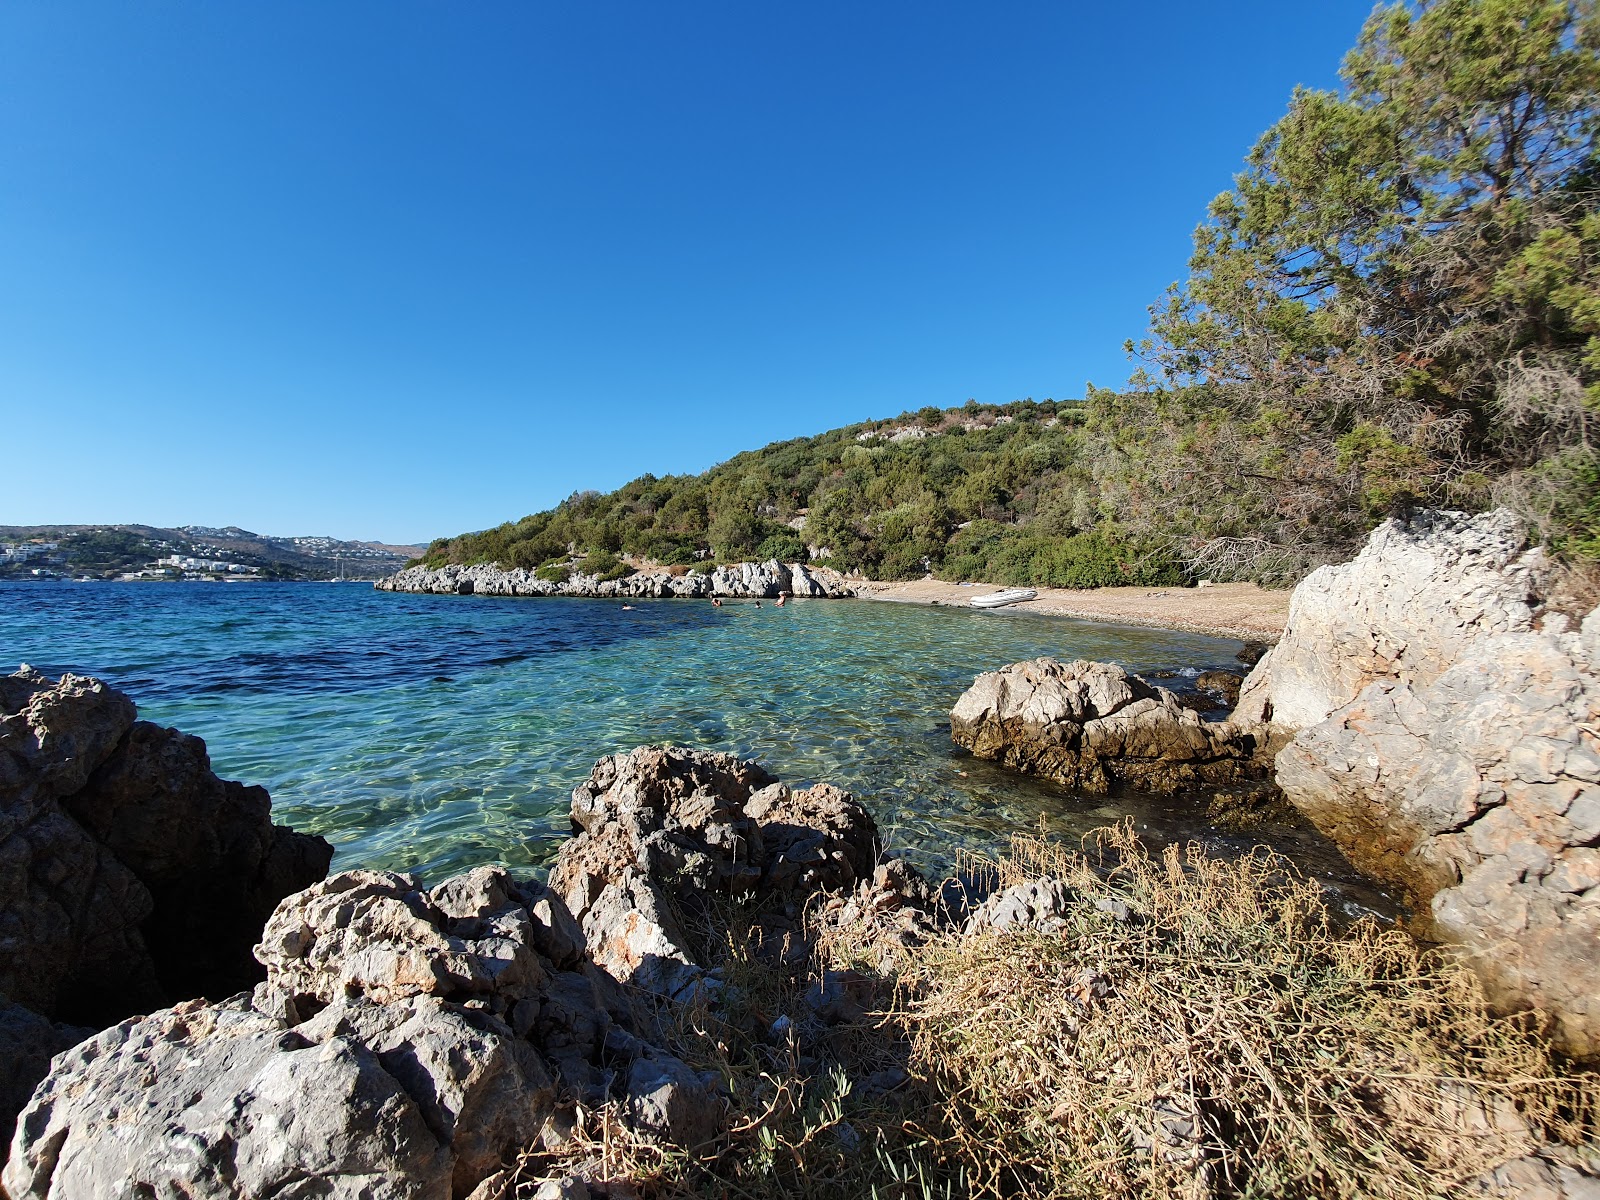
[438, 732]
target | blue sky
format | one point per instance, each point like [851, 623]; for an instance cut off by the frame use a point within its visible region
[395, 269]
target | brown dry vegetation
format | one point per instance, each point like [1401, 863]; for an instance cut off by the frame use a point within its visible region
[1217, 1036]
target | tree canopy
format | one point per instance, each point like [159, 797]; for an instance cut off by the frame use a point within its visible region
[1396, 303]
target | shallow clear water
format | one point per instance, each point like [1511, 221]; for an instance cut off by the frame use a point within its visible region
[439, 732]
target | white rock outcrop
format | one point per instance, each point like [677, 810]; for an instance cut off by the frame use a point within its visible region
[1091, 725]
[748, 579]
[1447, 738]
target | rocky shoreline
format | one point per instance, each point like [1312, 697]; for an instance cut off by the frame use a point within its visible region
[741, 580]
[720, 965]
[1427, 710]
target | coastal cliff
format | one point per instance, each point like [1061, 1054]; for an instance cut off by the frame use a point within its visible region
[748, 579]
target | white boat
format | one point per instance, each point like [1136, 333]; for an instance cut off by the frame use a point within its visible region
[1001, 599]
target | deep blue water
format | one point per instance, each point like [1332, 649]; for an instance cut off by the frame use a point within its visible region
[438, 732]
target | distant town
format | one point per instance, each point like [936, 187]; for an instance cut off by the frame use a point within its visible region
[192, 552]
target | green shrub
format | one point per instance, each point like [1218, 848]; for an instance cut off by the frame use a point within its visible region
[554, 573]
[606, 566]
[785, 547]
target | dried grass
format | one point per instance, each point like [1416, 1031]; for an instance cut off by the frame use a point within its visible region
[1217, 1036]
[1225, 1039]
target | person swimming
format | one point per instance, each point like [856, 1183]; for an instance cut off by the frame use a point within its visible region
[716, 602]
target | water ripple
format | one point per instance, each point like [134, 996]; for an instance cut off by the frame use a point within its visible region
[435, 733]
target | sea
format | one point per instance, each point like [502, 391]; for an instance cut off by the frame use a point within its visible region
[436, 733]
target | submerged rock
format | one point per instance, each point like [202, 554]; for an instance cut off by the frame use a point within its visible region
[1091, 725]
[1447, 739]
[749, 579]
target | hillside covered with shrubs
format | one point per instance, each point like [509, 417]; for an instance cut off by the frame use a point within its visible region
[1398, 303]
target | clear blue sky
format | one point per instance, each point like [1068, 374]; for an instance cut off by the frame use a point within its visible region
[397, 269]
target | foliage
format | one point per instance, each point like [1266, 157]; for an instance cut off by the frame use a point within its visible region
[605, 566]
[891, 499]
[1397, 303]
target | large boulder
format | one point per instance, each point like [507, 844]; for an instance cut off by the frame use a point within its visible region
[406, 1042]
[1091, 725]
[666, 831]
[1447, 739]
[132, 874]
[1421, 593]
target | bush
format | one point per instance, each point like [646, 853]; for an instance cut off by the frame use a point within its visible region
[605, 566]
[1200, 1025]
[554, 572]
[1197, 1028]
[786, 547]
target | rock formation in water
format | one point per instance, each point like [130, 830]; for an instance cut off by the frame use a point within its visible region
[765, 579]
[1091, 725]
[1447, 737]
[130, 875]
[666, 831]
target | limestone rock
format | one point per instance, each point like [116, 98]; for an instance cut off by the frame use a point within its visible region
[1091, 725]
[1479, 792]
[1448, 741]
[70, 913]
[217, 1101]
[1037, 906]
[1421, 592]
[27, 1044]
[406, 1042]
[206, 849]
[766, 579]
[129, 873]
[664, 830]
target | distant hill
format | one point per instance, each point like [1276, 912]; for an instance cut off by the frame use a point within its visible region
[108, 551]
[1002, 493]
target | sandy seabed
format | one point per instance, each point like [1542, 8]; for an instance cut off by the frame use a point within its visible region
[1241, 610]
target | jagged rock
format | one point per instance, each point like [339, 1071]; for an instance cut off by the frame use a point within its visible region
[70, 913]
[406, 1042]
[1090, 725]
[218, 1101]
[1419, 595]
[1037, 906]
[129, 873]
[27, 1044]
[893, 911]
[207, 850]
[1224, 685]
[765, 579]
[664, 830]
[1449, 742]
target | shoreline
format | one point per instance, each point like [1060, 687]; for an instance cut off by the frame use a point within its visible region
[1233, 610]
